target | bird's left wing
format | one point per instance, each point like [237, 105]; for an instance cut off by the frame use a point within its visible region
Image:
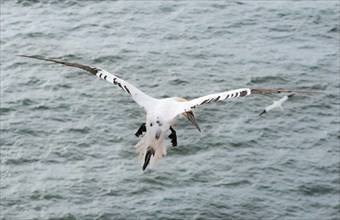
[138, 96]
[187, 106]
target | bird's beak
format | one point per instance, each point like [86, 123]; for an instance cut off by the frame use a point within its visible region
[191, 117]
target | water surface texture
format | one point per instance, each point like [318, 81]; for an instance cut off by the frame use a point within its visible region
[67, 138]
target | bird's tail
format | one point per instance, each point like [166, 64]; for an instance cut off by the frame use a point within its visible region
[150, 152]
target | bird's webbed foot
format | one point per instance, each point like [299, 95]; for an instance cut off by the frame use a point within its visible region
[141, 129]
[173, 137]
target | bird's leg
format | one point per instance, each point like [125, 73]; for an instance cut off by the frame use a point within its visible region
[173, 137]
[141, 129]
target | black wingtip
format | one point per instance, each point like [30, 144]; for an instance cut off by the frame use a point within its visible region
[264, 111]
[290, 95]
[30, 56]
[89, 69]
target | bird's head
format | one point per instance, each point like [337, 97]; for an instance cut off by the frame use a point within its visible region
[190, 115]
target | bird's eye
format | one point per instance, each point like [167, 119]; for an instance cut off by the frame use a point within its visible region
[150, 124]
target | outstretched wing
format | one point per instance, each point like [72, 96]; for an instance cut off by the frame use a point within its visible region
[138, 96]
[187, 106]
[276, 104]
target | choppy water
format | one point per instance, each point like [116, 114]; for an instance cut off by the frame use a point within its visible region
[67, 138]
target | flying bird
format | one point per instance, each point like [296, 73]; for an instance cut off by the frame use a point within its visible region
[161, 114]
[277, 104]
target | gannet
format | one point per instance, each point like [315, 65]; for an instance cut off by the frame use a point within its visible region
[276, 104]
[161, 114]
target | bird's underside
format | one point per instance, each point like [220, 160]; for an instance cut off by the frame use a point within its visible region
[162, 112]
[172, 136]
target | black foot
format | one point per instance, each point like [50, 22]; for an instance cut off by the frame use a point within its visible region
[141, 129]
[173, 137]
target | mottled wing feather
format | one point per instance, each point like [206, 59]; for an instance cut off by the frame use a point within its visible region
[273, 91]
[138, 96]
[186, 106]
[216, 98]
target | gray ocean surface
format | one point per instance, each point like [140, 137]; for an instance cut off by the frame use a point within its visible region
[67, 138]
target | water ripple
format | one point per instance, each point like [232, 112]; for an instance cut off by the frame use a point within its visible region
[67, 138]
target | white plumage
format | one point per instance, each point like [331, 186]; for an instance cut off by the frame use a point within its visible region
[161, 113]
[277, 104]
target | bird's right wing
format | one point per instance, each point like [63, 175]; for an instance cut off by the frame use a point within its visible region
[138, 96]
[187, 106]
